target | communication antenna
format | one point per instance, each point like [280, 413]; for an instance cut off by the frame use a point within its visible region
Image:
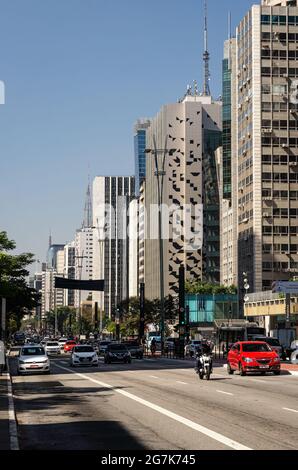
[230, 25]
[206, 55]
[196, 89]
[87, 223]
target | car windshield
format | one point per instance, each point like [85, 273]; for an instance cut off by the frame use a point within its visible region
[104, 343]
[33, 352]
[52, 344]
[83, 349]
[256, 347]
[117, 347]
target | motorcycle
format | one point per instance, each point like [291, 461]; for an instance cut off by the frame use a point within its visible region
[204, 366]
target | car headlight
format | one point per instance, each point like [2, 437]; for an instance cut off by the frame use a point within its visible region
[248, 360]
[21, 362]
[276, 359]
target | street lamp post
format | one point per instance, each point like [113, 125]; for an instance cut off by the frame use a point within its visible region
[160, 174]
[101, 242]
[246, 288]
[80, 266]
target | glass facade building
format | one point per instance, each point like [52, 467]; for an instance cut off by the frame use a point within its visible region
[211, 245]
[52, 256]
[204, 309]
[139, 150]
[227, 130]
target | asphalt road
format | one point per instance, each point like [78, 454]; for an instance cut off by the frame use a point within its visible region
[154, 405]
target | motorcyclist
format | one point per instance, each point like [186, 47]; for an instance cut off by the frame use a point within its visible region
[206, 348]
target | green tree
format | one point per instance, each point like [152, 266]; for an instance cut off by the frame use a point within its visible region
[13, 285]
[66, 319]
[202, 288]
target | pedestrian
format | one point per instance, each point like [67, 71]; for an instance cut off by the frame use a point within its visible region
[153, 347]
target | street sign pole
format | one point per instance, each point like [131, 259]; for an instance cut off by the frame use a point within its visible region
[181, 310]
[142, 311]
[288, 311]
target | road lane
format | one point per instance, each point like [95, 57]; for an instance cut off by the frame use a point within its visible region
[67, 400]
[257, 415]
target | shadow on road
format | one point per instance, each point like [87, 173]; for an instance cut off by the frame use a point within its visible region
[77, 435]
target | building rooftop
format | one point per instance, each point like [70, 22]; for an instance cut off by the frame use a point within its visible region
[283, 3]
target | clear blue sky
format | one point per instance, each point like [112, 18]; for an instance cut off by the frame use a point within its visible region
[78, 73]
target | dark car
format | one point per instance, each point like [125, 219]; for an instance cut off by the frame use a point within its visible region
[135, 349]
[117, 352]
[102, 346]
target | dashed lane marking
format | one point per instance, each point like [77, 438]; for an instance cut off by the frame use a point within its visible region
[225, 393]
[186, 422]
[290, 409]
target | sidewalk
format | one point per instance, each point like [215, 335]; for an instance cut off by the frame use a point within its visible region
[291, 368]
[4, 414]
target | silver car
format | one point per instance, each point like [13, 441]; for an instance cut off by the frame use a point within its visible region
[33, 359]
[52, 347]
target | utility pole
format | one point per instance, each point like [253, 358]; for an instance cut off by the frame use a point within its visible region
[160, 174]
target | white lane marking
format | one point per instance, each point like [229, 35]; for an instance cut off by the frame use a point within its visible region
[153, 376]
[183, 383]
[191, 424]
[225, 393]
[290, 409]
[259, 381]
[13, 432]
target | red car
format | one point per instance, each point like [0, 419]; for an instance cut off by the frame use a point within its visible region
[253, 356]
[69, 345]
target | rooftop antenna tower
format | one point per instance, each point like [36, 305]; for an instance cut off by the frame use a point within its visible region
[206, 55]
[50, 239]
[87, 223]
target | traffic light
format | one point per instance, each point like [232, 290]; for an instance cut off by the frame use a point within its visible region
[182, 316]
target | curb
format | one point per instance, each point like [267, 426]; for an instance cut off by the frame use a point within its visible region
[13, 431]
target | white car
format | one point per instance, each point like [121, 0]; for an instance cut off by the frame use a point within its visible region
[52, 347]
[83, 355]
[62, 342]
[33, 359]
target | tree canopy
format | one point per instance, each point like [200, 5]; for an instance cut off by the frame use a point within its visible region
[198, 287]
[19, 296]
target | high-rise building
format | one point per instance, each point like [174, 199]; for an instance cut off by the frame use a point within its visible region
[228, 170]
[83, 248]
[52, 298]
[140, 133]
[83, 261]
[191, 131]
[112, 196]
[53, 256]
[267, 150]
[69, 272]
